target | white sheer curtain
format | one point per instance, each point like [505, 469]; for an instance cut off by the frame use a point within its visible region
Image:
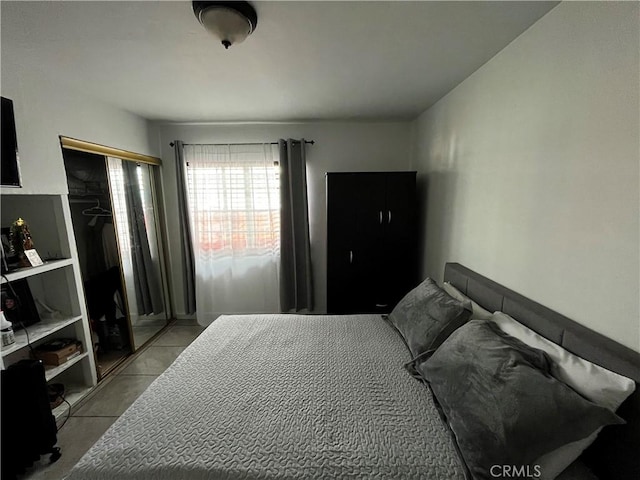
[234, 209]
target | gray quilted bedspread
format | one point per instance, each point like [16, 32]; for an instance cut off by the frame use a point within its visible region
[281, 397]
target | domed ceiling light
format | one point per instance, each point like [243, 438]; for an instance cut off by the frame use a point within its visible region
[231, 22]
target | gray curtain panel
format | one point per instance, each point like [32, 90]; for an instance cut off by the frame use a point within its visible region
[146, 277]
[296, 287]
[186, 246]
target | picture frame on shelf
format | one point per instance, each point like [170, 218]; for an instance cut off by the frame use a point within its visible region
[33, 257]
[18, 304]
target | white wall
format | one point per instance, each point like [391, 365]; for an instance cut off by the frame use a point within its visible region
[529, 168]
[44, 110]
[340, 146]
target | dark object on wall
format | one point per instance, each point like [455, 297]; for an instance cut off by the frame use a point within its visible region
[28, 426]
[9, 169]
[371, 240]
[18, 304]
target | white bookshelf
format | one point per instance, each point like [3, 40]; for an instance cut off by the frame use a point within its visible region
[30, 271]
[58, 285]
[52, 372]
[37, 332]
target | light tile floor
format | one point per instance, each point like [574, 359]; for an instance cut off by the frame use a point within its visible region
[112, 397]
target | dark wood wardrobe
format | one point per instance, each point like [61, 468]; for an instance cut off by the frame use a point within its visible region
[371, 240]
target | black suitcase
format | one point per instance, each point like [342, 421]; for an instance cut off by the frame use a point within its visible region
[28, 425]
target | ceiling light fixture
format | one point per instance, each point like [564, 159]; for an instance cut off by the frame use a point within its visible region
[231, 22]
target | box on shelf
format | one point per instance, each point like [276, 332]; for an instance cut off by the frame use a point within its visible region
[58, 351]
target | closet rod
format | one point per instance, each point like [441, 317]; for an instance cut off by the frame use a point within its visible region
[309, 142]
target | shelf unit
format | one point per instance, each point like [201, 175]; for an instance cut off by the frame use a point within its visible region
[52, 371]
[30, 271]
[58, 285]
[38, 331]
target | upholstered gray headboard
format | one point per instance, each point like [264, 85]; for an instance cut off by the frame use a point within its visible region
[615, 454]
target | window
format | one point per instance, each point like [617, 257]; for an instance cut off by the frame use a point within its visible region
[234, 197]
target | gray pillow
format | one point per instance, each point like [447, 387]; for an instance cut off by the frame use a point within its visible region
[502, 404]
[427, 315]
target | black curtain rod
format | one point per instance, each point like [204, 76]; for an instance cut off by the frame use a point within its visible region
[309, 142]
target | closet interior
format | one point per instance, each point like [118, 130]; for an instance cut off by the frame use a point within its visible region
[116, 227]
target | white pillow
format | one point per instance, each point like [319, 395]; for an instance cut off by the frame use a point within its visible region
[603, 387]
[477, 312]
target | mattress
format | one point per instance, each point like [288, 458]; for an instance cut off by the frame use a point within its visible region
[281, 397]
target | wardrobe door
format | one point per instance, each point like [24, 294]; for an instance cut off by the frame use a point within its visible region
[399, 245]
[368, 262]
[341, 216]
[355, 205]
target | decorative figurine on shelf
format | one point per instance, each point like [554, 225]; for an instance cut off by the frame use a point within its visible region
[21, 240]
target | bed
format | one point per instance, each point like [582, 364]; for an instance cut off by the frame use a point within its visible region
[317, 396]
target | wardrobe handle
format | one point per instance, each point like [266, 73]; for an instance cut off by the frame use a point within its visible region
[350, 256]
[380, 217]
[382, 305]
[389, 221]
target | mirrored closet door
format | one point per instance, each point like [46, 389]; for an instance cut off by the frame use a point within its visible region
[116, 225]
[132, 196]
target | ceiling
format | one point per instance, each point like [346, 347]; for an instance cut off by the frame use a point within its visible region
[306, 60]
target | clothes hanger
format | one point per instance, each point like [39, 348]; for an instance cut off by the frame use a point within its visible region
[96, 211]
